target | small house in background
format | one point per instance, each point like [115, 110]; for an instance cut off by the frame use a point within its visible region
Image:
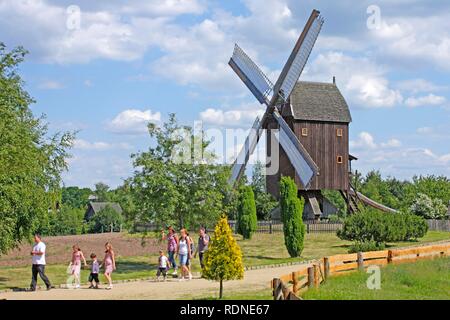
[96, 207]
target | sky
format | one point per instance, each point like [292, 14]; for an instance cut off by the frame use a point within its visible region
[107, 68]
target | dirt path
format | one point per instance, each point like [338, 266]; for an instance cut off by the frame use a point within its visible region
[171, 289]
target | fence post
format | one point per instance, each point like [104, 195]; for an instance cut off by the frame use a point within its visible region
[294, 282]
[316, 275]
[326, 267]
[307, 227]
[389, 258]
[277, 289]
[270, 227]
[360, 261]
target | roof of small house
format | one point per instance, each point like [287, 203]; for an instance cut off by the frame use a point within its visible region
[99, 206]
[318, 101]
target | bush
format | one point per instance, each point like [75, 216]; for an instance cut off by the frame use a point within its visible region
[371, 225]
[103, 220]
[246, 220]
[291, 215]
[428, 208]
[366, 246]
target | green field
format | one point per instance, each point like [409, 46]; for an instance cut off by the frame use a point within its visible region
[262, 249]
[426, 279]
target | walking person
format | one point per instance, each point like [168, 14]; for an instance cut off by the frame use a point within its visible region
[77, 256]
[172, 246]
[38, 261]
[163, 266]
[203, 241]
[109, 262]
[95, 269]
[184, 253]
[191, 249]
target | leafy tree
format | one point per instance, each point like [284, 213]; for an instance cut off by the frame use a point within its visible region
[124, 196]
[265, 202]
[247, 221]
[67, 221]
[105, 219]
[173, 184]
[223, 259]
[336, 199]
[31, 161]
[291, 215]
[75, 197]
[435, 187]
[101, 192]
[428, 208]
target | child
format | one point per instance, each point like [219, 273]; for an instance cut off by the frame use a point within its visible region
[95, 268]
[77, 256]
[163, 266]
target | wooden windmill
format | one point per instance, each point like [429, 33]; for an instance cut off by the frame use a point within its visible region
[311, 120]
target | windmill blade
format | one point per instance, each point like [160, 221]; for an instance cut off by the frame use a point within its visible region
[251, 75]
[298, 58]
[304, 165]
[249, 146]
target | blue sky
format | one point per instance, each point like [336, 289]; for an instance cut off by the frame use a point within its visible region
[130, 62]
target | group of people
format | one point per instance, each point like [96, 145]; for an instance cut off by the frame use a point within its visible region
[182, 246]
[38, 267]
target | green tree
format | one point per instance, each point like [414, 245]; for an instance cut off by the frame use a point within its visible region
[223, 259]
[67, 221]
[31, 161]
[75, 197]
[264, 201]
[106, 219]
[173, 183]
[428, 208]
[291, 215]
[102, 192]
[247, 220]
[124, 196]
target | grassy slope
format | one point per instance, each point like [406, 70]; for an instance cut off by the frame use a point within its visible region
[262, 249]
[426, 279]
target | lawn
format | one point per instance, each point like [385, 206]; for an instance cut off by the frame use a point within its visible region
[262, 249]
[426, 279]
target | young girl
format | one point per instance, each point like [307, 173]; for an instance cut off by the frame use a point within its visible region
[184, 252]
[172, 246]
[77, 255]
[109, 263]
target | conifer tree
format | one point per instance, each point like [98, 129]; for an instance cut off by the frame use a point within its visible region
[247, 220]
[223, 259]
[291, 215]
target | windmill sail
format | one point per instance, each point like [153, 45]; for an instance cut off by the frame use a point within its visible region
[251, 75]
[300, 159]
[249, 146]
[299, 56]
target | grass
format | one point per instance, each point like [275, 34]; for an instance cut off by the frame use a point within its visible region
[262, 249]
[426, 279]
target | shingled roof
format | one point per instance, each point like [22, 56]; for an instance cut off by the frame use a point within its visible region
[96, 207]
[318, 101]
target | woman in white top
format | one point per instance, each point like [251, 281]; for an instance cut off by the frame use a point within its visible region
[184, 253]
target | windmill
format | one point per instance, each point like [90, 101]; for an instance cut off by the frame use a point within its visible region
[275, 95]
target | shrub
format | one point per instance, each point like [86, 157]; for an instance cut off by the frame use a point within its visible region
[104, 219]
[223, 259]
[291, 215]
[366, 246]
[428, 208]
[246, 220]
[371, 225]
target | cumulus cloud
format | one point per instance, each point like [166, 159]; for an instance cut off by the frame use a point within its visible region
[50, 85]
[82, 144]
[365, 141]
[133, 121]
[428, 100]
[231, 118]
[418, 85]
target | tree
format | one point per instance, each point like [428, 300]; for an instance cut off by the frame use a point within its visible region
[124, 196]
[106, 219]
[223, 259]
[247, 220]
[67, 221]
[31, 161]
[291, 215]
[428, 208]
[101, 192]
[265, 202]
[75, 197]
[173, 184]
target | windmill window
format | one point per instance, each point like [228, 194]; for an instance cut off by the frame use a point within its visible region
[339, 159]
[339, 132]
[304, 132]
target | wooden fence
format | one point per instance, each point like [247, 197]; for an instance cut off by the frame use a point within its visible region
[276, 226]
[438, 225]
[290, 286]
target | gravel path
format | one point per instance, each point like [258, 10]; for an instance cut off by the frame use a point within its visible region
[171, 289]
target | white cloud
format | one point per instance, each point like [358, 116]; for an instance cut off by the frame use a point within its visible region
[88, 83]
[231, 118]
[365, 141]
[428, 100]
[133, 121]
[164, 8]
[362, 82]
[418, 85]
[424, 130]
[391, 143]
[50, 85]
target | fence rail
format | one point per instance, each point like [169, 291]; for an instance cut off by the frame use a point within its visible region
[289, 286]
[438, 225]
